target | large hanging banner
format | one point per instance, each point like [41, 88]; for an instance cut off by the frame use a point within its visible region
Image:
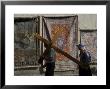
[63, 33]
[25, 46]
[89, 39]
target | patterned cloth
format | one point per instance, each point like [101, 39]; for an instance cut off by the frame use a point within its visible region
[63, 34]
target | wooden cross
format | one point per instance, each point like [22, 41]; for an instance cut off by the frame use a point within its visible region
[57, 49]
[54, 47]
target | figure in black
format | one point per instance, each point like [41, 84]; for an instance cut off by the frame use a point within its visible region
[85, 59]
[49, 60]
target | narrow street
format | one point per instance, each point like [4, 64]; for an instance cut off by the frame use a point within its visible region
[35, 72]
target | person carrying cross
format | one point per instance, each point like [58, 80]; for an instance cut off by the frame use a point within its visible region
[49, 58]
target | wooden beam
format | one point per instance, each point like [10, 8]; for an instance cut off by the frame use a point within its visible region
[57, 49]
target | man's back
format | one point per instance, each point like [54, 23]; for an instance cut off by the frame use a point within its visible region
[85, 57]
[51, 55]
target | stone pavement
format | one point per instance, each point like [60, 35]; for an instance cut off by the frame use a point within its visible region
[35, 72]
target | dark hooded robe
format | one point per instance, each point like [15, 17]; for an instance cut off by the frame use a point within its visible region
[84, 71]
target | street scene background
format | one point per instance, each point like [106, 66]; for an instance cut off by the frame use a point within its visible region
[65, 30]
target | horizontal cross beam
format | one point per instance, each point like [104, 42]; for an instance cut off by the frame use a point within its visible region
[57, 49]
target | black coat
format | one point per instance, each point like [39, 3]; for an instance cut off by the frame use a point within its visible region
[84, 71]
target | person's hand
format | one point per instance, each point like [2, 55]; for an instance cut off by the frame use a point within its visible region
[41, 70]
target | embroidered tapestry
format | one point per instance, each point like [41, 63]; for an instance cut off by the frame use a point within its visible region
[89, 39]
[63, 33]
[26, 50]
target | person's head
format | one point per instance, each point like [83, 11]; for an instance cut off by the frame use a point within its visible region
[81, 47]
